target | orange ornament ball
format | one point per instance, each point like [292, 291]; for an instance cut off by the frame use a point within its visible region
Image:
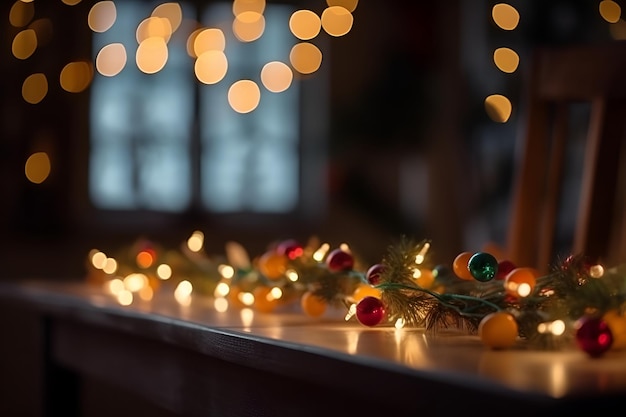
[233, 297]
[263, 299]
[272, 265]
[312, 305]
[520, 282]
[459, 266]
[498, 330]
[365, 290]
[426, 278]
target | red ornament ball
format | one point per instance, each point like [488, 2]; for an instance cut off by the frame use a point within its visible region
[504, 267]
[370, 311]
[290, 248]
[593, 335]
[339, 260]
[373, 273]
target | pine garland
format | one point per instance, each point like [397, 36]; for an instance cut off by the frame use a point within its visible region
[573, 289]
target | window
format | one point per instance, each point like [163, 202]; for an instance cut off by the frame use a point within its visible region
[166, 142]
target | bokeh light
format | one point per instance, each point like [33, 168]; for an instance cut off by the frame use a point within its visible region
[498, 108]
[505, 16]
[241, 6]
[618, 30]
[506, 59]
[102, 16]
[211, 67]
[76, 76]
[171, 12]
[111, 59]
[35, 88]
[350, 5]
[305, 57]
[151, 55]
[337, 20]
[211, 39]
[248, 26]
[276, 76]
[154, 27]
[610, 11]
[305, 24]
[43, 31]
[24, 44]
[244, 96]
[21, 13]
[37, 167]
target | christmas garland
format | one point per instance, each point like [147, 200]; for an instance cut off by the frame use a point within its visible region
[578, 302]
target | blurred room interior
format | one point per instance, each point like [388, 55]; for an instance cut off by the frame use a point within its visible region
[400, 129]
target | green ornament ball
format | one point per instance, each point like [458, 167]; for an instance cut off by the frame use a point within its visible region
[483, 266]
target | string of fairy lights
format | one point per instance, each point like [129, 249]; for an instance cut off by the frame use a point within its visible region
[507, 306]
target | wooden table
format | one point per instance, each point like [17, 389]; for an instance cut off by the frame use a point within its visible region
[195, 360]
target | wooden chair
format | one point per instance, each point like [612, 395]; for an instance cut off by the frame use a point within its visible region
[557, 78]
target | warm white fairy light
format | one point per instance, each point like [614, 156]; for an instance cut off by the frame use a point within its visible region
[319, 254]
[115, 286]
[274, 294]
[164, 271]
[221, 290]
[110, 266]
[182, 293]
[556, 327]
[196, 241]
[246, 298]
[345, 247]
[419, 258]
[146, 293]
[98, 259]
[220, 304]
[417, 273]
[291, 275]
[226, 271]
[596, 271]
[135, 282]
[524, 290]
[400, 323]
[351, 312]
[125, 297]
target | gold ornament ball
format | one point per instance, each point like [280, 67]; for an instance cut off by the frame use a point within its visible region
[498, 330]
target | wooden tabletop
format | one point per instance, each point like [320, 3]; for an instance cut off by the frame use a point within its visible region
[399, 366]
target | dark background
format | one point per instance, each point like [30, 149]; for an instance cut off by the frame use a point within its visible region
[406, 94]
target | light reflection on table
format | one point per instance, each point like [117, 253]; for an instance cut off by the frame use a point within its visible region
[553, 373]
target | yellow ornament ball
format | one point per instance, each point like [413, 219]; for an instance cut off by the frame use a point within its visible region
[365, 290]
[263, 299]
[617, 323]
[272, 265]
[312, 305]
[498, 330]
[459, 265]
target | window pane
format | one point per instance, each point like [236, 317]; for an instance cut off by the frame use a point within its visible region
[250, 162]
[141, 124]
